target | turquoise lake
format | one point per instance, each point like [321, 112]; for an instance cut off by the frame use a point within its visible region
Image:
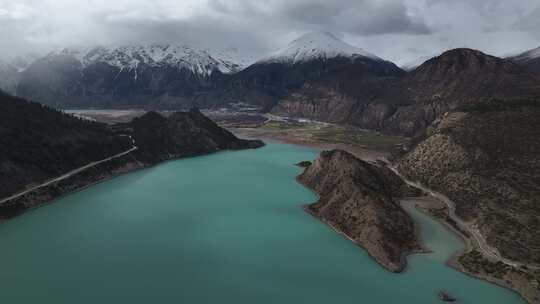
[224, 228]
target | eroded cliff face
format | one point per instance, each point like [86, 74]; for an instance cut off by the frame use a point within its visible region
[316, 102]
[356, 198]
[331, 105]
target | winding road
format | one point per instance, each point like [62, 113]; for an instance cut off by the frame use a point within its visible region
[482, 245]
[73, 172]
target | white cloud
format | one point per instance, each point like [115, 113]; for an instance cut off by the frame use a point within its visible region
[399, 30]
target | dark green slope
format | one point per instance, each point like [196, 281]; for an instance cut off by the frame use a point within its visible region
[37, 143]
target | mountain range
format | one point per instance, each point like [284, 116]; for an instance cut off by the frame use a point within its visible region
[316, 76]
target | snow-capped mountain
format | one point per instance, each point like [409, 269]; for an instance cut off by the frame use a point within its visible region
[409, 66]
[314, 63]
[314, 46]
[529, 59]
[199, 61]
[168, 76]
[122, 76]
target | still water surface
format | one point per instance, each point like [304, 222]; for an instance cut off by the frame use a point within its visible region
[224, 228]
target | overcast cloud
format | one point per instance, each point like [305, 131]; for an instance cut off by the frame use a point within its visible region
[398, 30]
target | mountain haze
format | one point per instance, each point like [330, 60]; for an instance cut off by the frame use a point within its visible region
[529, 59]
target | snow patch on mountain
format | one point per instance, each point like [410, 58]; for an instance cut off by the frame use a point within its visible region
[314, 46]
[198, 61]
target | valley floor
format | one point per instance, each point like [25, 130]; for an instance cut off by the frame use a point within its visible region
[367, 145]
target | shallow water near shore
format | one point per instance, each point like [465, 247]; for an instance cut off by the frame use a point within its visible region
[224, 228]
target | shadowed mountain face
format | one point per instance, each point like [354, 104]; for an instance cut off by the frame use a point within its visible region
[273, 81]
[312, 58]
[62, 81]
[153, 76]
[37, 143]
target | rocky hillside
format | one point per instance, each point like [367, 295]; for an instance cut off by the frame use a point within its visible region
[487, 160]
[456, 78]
[357, 198]
[408, 105]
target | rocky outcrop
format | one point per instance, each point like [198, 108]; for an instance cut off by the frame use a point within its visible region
[357, 199]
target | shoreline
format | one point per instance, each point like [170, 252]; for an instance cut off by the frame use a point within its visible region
[404, 262]
[360, 152]
[451, 262]
[404, 265]
[42, 197]
[50, 193]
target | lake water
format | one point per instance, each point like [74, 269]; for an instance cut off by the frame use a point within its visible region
[224, 228]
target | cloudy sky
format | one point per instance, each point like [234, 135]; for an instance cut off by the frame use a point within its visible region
[398, 30]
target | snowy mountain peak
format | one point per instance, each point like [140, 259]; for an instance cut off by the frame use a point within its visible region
[131, 56]
[317, 45]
